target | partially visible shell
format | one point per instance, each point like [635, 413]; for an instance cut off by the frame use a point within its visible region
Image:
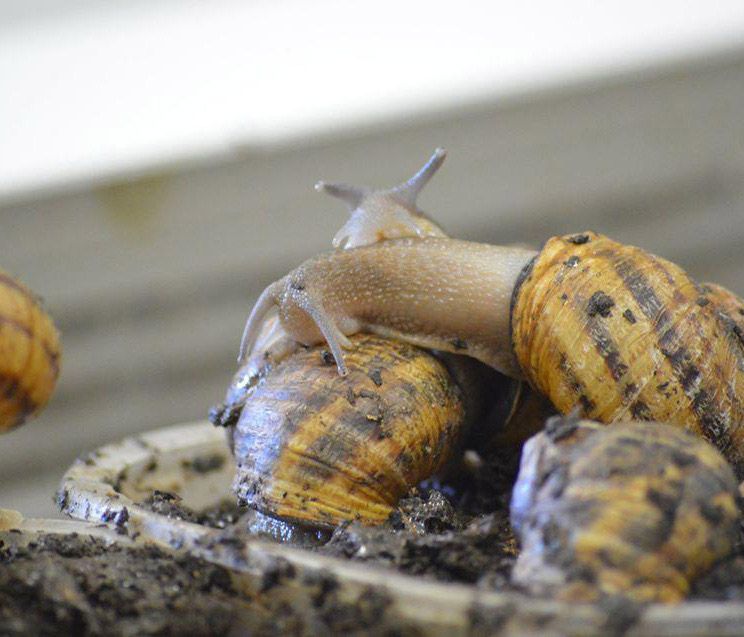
[314, 447]
[636, 509]
[29, 354]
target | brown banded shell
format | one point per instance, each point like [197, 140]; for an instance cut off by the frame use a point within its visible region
[626, 335]
[314, 447]
[29, 354]
[636, 509]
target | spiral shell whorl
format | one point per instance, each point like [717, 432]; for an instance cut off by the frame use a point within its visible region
[626, 335]
[315, 447]
[29, 354]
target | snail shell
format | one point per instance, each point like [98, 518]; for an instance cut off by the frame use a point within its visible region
[728, 304]
[630, 337]
[636, 509]
[314, 447]
[29, 354]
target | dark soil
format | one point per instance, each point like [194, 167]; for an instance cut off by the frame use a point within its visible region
[451, 532]
[72, 585]
[457, 532]
[461, 533]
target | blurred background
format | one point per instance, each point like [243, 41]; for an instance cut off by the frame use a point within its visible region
[157, 162]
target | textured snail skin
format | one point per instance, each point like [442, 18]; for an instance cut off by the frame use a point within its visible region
[314, 447]
[392, 213]
[636, 509]
[437, 293]
[29, 354]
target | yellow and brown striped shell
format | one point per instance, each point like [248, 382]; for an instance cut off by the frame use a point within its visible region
[29, 354]
[314, 447]
[636, 509]
[728, 303]
[627, 335]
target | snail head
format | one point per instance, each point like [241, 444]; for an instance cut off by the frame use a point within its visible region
[392, 213]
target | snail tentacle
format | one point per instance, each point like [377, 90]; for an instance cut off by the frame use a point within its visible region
[272, 346]
[352, 195]
[409, 190]
[268, 300]
[376, 215]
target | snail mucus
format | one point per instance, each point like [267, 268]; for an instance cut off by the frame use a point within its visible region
[29, 354]
[585, 325]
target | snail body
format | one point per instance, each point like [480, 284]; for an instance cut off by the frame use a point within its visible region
[375, 216]
[29, 354]
[636, 509]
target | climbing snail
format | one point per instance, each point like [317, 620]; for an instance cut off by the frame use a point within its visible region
[29, 354]
[375, 216]
[587, 321]
[316, 448]
[636, 509]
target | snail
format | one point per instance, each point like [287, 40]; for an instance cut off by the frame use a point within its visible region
[638, 510]
[375, 216]
[29, 354]
[296, 400]
[585, 321]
